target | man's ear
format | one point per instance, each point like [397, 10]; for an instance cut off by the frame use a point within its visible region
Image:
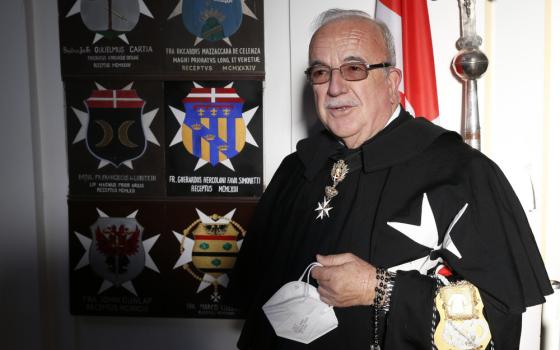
[394, 77]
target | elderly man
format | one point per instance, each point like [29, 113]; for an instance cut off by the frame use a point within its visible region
[421, 239]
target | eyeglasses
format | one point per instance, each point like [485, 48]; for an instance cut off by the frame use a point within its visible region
[353, 71]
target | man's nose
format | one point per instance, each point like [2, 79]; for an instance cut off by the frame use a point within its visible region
[337, 84]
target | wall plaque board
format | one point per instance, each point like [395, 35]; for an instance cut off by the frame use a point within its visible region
[115, 138]
[213, 38]
[157, 258]
[107, 37]
[214, 138]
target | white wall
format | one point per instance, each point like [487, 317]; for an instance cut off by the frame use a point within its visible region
[19, 247]
[518, 122]
[549, 125]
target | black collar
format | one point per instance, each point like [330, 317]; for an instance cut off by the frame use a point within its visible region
[399, 141]
[351, 157]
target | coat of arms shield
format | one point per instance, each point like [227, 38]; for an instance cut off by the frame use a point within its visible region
[115, 132]
[117, 253]
[110, 15]
[213, 128]
[215, 244]
[212, 20]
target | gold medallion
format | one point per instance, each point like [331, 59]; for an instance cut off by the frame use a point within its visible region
[462, 325]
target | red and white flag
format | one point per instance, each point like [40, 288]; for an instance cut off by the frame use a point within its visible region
[410, 25]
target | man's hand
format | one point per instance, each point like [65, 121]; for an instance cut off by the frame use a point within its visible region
[345, 280]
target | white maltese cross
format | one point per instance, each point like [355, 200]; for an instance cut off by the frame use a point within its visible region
[426, 234]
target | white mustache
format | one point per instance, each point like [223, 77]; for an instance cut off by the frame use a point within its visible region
[341, 103]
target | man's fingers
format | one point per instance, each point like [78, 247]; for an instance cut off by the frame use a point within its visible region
[325, 296]
[335, 259]
[326, 300]
[345, 280]
[321, 273]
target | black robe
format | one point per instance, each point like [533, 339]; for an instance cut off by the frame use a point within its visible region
[409, 159]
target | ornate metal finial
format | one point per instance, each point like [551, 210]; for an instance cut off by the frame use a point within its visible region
[469, 64]
[467, 6]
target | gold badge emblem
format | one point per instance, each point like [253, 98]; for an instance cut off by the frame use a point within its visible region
[462, 325]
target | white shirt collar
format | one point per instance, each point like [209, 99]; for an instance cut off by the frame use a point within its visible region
[394, 115]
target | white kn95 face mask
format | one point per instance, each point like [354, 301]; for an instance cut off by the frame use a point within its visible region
[296, 312]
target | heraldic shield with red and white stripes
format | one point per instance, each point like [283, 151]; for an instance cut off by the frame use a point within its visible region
[410, 25]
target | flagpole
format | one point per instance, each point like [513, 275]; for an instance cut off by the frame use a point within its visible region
[469, 64]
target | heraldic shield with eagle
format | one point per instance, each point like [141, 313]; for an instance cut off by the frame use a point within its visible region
[118, 254]
[213, 129]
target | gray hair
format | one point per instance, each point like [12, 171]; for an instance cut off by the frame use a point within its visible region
[338, 14]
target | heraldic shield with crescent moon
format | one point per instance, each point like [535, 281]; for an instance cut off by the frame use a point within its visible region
[115, 132]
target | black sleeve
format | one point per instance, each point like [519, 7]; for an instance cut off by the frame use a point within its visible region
[499, 256]
[250, 261]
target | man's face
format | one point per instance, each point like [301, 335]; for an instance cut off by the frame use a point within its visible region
[353, 110]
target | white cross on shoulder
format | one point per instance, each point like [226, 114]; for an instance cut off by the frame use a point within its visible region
[426, 234]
